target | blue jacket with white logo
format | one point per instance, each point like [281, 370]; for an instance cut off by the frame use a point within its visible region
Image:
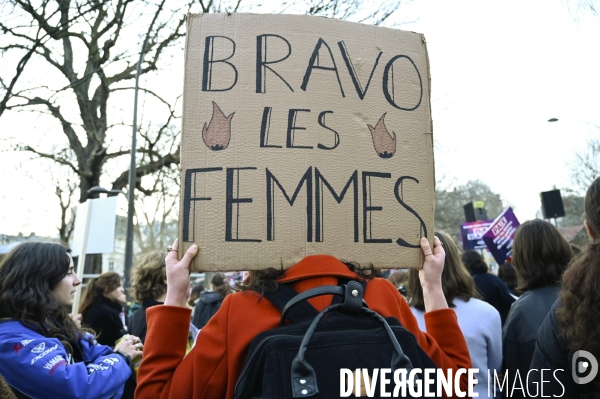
[40, 367]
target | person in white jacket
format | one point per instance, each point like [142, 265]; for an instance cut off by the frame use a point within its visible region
[478, 320]
[43, 353]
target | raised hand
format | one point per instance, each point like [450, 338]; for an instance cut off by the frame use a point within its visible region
[178, 275]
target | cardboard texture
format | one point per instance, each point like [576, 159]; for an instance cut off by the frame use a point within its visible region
[304, 135]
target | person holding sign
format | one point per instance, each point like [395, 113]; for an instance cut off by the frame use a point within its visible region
[43, 354]
[213, 366]
[479, 321]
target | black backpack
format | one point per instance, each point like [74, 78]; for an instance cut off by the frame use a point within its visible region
[303, 359]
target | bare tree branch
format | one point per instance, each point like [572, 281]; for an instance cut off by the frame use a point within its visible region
[149, 168]
[20, 68]
[51, 157]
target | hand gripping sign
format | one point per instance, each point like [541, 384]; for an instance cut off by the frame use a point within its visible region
[304, 135]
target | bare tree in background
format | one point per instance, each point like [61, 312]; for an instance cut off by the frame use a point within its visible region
[72, 64]
[449, 212]
[586, 166]
[574, 208]
[78, 45]
[80, 56]
[65, 191]
[157, 224]
[592, 6]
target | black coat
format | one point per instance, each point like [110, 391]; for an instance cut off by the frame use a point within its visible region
[495, 292]
[207, 305]
[551, 352]
[104, 317]
[520, 331]
[137, 324]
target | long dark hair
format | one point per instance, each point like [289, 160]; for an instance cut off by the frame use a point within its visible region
[507, 273]
[221, 285]
[96, 288]
[540, 255]
[474, 262]
[580, 310]
[28, 274]
[456, 279]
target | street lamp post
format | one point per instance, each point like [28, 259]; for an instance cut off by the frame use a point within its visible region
[132, 168]
[574, 120]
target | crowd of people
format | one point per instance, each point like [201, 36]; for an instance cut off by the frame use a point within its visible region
[181, 341]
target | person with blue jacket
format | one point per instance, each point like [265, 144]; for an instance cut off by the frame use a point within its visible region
[43, 353]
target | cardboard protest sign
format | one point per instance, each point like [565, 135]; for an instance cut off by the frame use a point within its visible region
[501, 234]
[471, 234]
[304, 135]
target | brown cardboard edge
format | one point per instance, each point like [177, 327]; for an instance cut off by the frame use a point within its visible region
[194, 267]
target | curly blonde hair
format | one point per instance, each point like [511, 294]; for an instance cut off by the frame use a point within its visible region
[148, 276]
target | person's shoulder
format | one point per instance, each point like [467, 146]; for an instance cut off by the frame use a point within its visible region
[520, 308]
[546, 294]
[138, 316]
[483, 308]
[529, 298]
[17, 339]
[11, 327]
[379, 283]
[488, 277]
[244, 297]
[96, 307]
[243, 302]
[474, 307]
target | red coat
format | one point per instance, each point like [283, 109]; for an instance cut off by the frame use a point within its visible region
[213, 366]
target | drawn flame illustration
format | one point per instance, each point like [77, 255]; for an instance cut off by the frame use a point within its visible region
[383, 141]
[218, 132]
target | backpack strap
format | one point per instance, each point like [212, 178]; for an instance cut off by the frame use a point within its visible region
[295, 307]
[345, 281]
[284, 294]
[352, 292]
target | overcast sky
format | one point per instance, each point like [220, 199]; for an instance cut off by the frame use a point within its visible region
[499, 71]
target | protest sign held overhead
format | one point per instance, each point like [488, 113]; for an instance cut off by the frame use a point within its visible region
[471, 234]
[500, 235]
[304, 135]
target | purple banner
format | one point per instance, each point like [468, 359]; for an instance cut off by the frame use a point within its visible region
[471, 234]
[500, 235]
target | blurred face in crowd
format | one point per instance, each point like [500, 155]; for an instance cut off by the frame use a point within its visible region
[64, 292]
[117, 295]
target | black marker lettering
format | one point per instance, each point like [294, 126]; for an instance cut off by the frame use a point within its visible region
[400, 241]
[188, 199]
[292, 127]
[229, 201]
[271, 182]
[386, 83]
[319, 180]
[336, 139]
[367, 208]
[311, 66]
[261, 62]
[361, 93]
[209, 61]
